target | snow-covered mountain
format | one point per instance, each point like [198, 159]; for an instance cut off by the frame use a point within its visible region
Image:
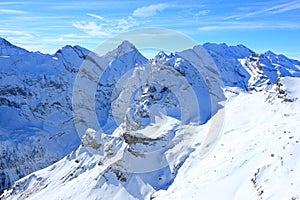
[36, 114]
[149, 144]
[36, 105]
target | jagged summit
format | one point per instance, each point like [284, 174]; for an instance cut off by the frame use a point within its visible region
[124, 48]
[238, 51]
[68, 49]
[162, 55]
[269, 52]
[8, 49]
[4, 41]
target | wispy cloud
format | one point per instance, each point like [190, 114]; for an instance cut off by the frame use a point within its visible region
[148, 11]
[11, 3]
[17, 34]
[65, 39]
[286, 7]
[98, 17]
[11, 11]
[202, 13]
[72, 35]
[267, 11]
[107, 28]
[125, 23]
[196, 14]
[23, 39]
[265, 25]
[92, 28]
[35, 42]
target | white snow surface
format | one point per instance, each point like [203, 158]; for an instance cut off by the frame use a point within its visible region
[257, 156]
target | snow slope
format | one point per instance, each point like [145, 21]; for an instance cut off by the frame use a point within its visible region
[256, 157]
[86, 175]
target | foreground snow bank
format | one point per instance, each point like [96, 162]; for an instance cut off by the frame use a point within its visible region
[258, 155]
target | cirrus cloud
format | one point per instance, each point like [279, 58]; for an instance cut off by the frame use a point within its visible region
[105, 29]
[11, 11]
[148, 11]
[92, 28]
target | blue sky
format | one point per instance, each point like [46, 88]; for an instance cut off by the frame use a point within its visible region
[48, 25]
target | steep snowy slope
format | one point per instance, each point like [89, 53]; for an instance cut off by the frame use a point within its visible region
[256, 157]
[226, 59]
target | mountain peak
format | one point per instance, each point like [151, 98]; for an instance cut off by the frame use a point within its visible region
[126, 45]
[3, 41]
[162, 54]
[124, 48]
[270, 53]
[8, 49]
[238, 51]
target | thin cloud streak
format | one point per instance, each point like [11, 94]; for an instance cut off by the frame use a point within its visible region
[272, 10]
[249, 26]
[294, 6]
[11, 11]
[11, 3]
[98, 17]
[89, 5]
[14, 33]
[148, 11]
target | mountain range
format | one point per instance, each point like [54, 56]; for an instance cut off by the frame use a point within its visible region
[210, 122]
